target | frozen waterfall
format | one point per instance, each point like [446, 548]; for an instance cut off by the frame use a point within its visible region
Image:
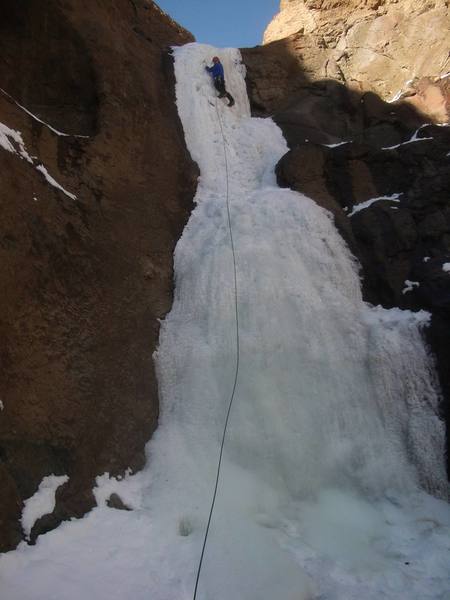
[333, 481]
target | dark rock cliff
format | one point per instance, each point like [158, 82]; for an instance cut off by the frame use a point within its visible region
[84, 281]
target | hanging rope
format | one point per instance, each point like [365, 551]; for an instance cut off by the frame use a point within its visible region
[236, 371]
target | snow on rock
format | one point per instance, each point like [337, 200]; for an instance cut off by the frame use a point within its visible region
[12, 141]
[415, 138]
[334, 441]
[53, 182]
[446, 267]
[42, 502]
[367, 203]
[335, 145]
[39, 120]
[409, 286]
[401, 91]
[426, 259]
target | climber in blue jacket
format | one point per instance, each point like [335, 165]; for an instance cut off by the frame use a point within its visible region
[216, 72]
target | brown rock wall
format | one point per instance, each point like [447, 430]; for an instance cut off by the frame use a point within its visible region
[86, 280]
[322, 111]
[370, 45]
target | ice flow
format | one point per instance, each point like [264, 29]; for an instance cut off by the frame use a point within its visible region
[335, 414]
[333, 461]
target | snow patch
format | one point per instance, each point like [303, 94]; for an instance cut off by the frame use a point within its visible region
[400, 93]
[415, 138]
[397, 96]
[446, 267]
[53, 182]
[2, 406]
[42, 502]
[367, 203]
[12, 141]
[409, 286]
[426, 259]
[396, 317]
[336, 145]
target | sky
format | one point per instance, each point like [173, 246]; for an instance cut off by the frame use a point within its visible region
[223, 23]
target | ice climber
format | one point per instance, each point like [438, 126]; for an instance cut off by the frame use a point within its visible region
[216, 72]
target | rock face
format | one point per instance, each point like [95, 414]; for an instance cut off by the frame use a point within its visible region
[323, 111]
[386, 46]
[84, 280]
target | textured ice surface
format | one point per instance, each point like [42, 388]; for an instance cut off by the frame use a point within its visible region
[334, 435]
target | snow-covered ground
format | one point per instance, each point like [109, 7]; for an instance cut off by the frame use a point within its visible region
[333, 435]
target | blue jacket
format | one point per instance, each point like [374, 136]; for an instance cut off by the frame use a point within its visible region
[216, 70]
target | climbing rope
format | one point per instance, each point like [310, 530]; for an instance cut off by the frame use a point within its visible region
[236, 371]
